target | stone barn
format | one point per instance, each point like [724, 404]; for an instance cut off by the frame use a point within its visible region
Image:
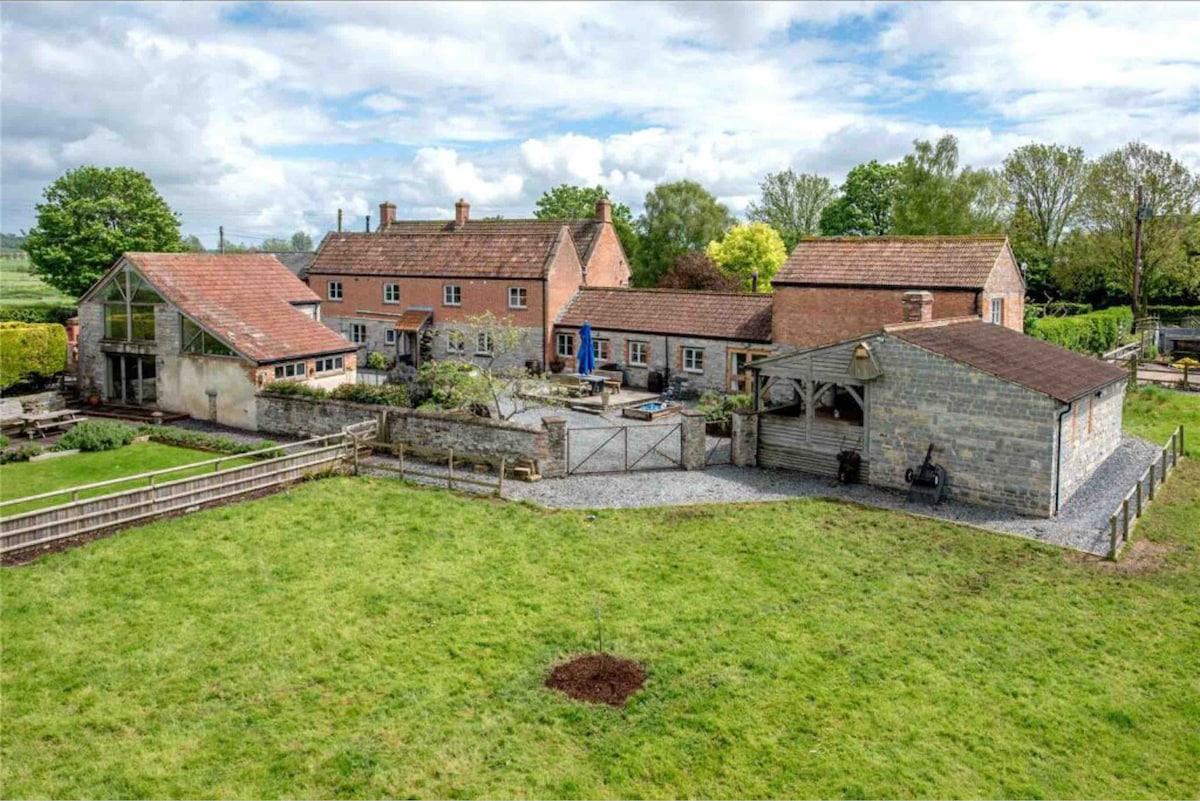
[200, 333]
[1016, 422]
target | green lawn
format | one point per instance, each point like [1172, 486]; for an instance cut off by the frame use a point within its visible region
[20, 479]
[1154, 412]
[360, 638]
[20, 287]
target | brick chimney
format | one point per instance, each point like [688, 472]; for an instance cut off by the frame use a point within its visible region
[604, 210]
[387, 214]
[918, 307]
[462, 213]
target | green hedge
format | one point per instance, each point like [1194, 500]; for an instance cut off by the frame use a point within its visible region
[385, 395]
[187, 438]
[31, 351]
[97, 435]
[38, 313]
[1094, 333]
[1174, 312]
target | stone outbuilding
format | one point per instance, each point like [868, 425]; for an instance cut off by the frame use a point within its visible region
[709, 338]
[833, 288]
[1016, 422]
[200, 333]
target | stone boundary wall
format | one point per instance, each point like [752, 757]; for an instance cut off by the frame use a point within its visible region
[421, 430]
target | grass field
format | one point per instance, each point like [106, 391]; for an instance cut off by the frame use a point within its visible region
[361, 638]
[20, 479]
[20, 287]
[1153, 413]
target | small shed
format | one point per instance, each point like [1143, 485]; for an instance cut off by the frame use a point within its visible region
[1017, 423]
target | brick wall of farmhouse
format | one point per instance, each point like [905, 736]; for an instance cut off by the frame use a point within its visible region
[1005, 284]
[997, 438]
[666, 354]
[806, 316]
[1091, 431]
[419, 429]
[607, 265]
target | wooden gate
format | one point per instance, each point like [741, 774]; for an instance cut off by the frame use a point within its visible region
[619, 449]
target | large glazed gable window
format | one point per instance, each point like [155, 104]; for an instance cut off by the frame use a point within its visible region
[129, 303]
[197, 340]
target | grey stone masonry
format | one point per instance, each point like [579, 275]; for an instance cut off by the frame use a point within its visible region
[996, 439]
[744, 442]
[1090, 432]
[555, 463]
[91, 361]
[692, 442]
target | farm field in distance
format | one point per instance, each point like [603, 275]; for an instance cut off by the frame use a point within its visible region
[20, 287]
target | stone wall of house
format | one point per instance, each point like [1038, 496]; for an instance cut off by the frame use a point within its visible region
[421, 430]
[666, 356]
[996, 438]
[1091, 431]
[527, 349]
[91, 369]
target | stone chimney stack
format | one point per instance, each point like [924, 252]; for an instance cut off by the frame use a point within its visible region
[387, 214]
[604, 210]
[918, 307]
[462, 213]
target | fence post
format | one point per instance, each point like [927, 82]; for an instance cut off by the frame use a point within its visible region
[401, 461]
[1125, 517]
[354, 444]
[500, 483]
[1112, 537]
[1164, 467]
[1152, 481]
[217, 466]
[450, 479]
[1139, 499]
[1182, 449]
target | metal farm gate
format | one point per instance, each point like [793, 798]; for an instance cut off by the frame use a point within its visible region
[619, 449]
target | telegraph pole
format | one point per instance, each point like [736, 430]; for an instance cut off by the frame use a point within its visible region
[221, 238]
[339, 221]
[1137, 252]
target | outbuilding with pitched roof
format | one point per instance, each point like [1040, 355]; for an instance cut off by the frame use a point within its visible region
[200, 333]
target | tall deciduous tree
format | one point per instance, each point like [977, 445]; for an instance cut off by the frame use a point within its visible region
[695, 270]
[678, 217]
[301, 242]
[1044, 182]
[933, 196]
[1171, 196]
[91, 215]
[566, 202]
[749, 252]
[864, 205]
[792, 204]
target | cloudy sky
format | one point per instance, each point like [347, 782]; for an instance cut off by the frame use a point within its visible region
[267, 118]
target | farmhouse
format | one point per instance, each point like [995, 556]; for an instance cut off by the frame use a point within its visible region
[1016, 422]
[831, 289]
[199, 333]
[654, 334]
[410, 287]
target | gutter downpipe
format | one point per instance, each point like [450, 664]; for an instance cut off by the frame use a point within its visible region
[1058, 456]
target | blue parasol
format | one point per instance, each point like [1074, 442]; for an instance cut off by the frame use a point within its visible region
[587, 359]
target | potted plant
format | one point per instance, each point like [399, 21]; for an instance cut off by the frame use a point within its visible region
[557, 365]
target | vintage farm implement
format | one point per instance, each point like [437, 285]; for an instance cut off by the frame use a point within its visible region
[927, 483]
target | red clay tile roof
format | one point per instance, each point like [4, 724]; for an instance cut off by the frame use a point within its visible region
[919, 262]
[677, 312]
[245, 299]
[480, 250]
[584, 232]
[1012, 356]
[412, 320]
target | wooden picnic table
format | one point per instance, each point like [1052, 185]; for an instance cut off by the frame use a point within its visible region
[41, 422]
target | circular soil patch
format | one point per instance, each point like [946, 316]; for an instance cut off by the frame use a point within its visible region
[598, 679]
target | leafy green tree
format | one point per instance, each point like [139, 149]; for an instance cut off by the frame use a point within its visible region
[750, 250]
[1171, 198]
[933, 196]
[302, 242]
[864, 204]
[566, 202]
[1044, 182]
[91, 215]
[695, 270]
[678, 217]
[792, 204]
[273, 244]
[192, 244]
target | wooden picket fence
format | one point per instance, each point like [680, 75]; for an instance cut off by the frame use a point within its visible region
[274, 467]
[1123, 520]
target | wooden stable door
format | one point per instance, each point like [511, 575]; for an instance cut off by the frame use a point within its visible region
[737, 379]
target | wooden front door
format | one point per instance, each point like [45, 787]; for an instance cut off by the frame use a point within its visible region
[737, 379]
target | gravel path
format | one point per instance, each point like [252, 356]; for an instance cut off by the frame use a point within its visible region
[1082, 525]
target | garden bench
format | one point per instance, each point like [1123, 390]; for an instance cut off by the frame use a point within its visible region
[51, 421]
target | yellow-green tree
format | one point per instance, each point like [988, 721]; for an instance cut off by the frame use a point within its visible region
[750, 250]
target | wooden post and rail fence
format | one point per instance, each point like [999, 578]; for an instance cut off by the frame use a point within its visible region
[162, 494]
[1122, 521]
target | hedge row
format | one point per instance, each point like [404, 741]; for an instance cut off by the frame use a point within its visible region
[107, 435]
[38, 313]
[31, 351]
[385, 395]
[1094, 333]
[1171, 313]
